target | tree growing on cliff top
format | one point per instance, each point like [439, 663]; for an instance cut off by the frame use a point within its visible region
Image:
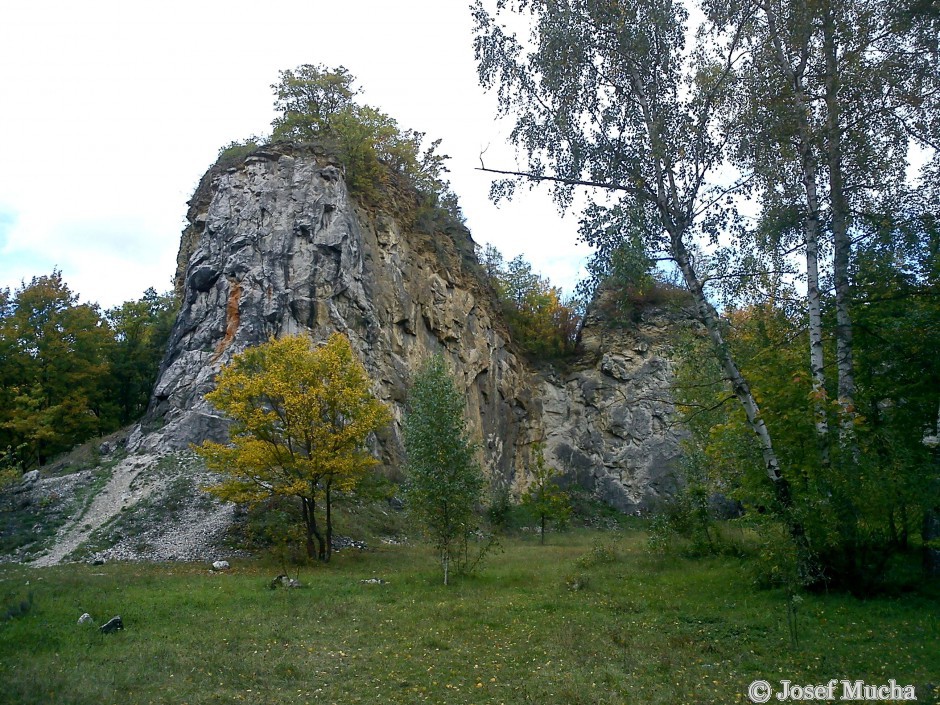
[444, 479]
[302, 417]
[541, 320]
[318, 104]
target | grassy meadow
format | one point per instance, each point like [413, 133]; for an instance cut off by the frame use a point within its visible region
[592, 617]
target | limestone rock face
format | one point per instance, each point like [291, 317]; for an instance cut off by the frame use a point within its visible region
[610, 421]
[276, 246]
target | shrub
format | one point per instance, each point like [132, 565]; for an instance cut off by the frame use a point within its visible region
[600, 554]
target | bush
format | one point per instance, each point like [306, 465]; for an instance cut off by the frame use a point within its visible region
[234, 152]
[600, 553]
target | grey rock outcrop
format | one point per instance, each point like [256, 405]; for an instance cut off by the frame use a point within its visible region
[277, 246]
[610, 422]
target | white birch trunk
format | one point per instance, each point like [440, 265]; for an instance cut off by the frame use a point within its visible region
[709, 317]
[811, 231]
[841, 242]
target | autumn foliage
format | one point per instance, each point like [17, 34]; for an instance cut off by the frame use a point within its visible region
[541, 320]
[70, 371]
[301, 416]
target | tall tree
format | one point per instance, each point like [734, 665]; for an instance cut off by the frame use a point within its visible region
[55, 356]
[607, 96]
[444, 478]
[835, 94]
[302, 417]
[141, 330]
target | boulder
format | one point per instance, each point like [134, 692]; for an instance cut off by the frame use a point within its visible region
[284, 581]
[112, 625]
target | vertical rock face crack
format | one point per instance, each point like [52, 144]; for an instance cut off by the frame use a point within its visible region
[294, 253]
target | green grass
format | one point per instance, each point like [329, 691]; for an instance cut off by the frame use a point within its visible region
[642, 630]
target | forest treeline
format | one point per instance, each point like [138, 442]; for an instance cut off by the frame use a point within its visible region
[70, 371]
[872, 502]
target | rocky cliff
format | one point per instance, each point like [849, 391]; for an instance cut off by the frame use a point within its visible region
[275, 245]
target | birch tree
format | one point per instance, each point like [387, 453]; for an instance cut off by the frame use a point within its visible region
[833, 96]
[606, 96]
[444, 479]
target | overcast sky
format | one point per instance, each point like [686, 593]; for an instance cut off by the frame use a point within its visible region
[112, 110]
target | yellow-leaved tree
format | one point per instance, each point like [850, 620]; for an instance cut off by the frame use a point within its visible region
[302, 416]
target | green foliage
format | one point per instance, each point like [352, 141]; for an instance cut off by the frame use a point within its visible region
[141, 330]
[602, 552]
[69, 373]
[308, 98]
[620, 258]
[500, 509]
[445, 481]
[856, 514]
[577, 581]
[542, 322]
[234, 152]
[17, 608]
[11, 468]
[821, 103]
[622, 278]
[54, 371]
[317, 104]
[302, 417]
[687, 515]
[543, 496]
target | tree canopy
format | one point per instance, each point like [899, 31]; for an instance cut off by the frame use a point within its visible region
[541, 319]
[804, 113]
[444, 478]
[316, 103]
[606, 96]
[302, 418]
[69, 372]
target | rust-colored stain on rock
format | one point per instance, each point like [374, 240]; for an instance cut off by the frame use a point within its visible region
[231, 317]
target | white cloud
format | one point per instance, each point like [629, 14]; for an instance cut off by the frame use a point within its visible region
[113, 110]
